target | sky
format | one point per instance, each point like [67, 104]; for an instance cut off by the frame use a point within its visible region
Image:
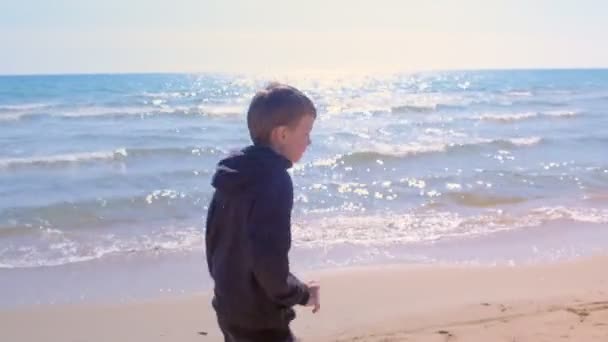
[258, 36]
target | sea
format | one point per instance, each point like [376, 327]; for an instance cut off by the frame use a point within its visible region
[105, 179]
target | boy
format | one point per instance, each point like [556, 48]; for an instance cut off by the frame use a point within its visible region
[248, 234]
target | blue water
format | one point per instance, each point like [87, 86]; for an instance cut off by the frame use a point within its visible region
[95, 167]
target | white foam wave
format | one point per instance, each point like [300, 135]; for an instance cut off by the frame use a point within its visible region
[103, 111]
[508, 117]
[222, 110]
[63, 158]
[64, 250]
[23, 107]
[11, 117]
[408, 149]
[373, 150]
[511, 117]
[416, 226]
[16, 112]
[167, 95]
[77, 112]
[526, 141]
[428, 226]
[520, 93]
[412, 227]
[558, 113]
[423, 147]
[588, 215]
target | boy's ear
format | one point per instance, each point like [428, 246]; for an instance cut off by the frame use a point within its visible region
[281, 133]
[278, 134]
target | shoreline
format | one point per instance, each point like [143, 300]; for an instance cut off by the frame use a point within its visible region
[126, 278]
[371, 303]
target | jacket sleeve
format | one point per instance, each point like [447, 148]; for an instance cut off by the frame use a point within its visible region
[210, 234]
[270, 235]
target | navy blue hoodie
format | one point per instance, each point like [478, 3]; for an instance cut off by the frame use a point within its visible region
[248, 237]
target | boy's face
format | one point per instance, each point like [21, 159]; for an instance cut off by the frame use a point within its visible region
[291, 142]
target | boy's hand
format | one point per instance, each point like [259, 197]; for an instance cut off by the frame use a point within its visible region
[315, 296]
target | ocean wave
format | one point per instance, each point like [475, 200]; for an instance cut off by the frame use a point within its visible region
[587, 215]
[80, 112]
[482, 104]
[168, 95]
[222, 110]
[174, 151]
[560, 113]
[24, 107]
[506, 118]
[95, 111]
[557, 103]
[16, 112]
[471, 199]
[35, 110]
[416, 226]
[414, 108]
[156, 107]
[429, 225]
[526, 141]
[89, 213]
[65, 249]
[521, 93]
[119, 154]
[380, 151]
[11, 116]
[63, 158]
[429, 108]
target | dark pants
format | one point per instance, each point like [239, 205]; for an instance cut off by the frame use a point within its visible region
[234, 333]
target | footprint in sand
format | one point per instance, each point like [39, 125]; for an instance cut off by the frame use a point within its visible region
[446, 333]
[502, 307]
[584, 310]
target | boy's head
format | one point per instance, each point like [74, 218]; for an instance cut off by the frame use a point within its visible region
[281, 116]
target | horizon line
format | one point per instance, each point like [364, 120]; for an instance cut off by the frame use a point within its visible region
[296, 71]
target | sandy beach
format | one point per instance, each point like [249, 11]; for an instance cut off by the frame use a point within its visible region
[451, 186]
[565, 301]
